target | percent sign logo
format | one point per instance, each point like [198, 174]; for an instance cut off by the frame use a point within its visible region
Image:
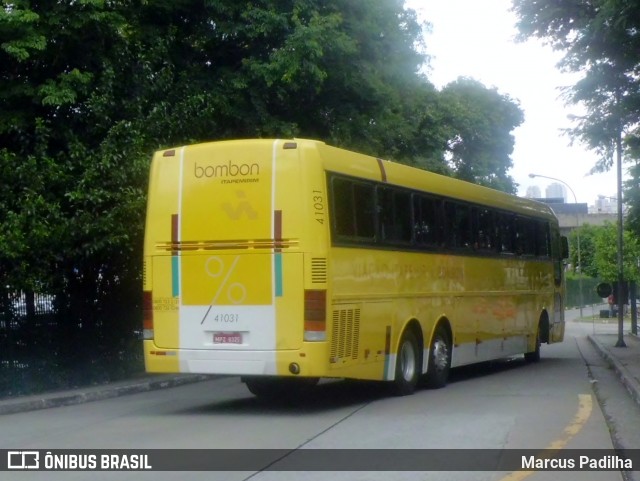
[236, 292]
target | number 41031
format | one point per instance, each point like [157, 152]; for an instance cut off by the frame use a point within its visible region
[318, 206]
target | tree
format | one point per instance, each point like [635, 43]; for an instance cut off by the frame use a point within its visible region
[481, 121]
[599, 251]
[606, 253]
[588, 235]
[90, 88]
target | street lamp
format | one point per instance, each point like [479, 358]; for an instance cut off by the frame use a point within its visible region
[575, 200]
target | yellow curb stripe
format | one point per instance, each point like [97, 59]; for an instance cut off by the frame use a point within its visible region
[585, 406]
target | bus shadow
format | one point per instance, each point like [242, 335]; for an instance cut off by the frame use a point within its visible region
[327, 396]
[487, 368]
[490, 368]
[340, 393]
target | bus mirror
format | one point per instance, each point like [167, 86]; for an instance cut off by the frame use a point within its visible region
[565, 247]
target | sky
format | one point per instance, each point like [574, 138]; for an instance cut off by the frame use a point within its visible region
[476, 38]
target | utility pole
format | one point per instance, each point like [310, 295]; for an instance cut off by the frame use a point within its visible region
[620, 342]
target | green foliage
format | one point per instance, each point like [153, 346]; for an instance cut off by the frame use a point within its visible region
[607, 251]
[599, 251]
[588, 235]
[18, 33]
[482, 120]
[632, 200]
[90, 88]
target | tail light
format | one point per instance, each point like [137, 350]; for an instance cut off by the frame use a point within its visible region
[147, 315]
[315, 315]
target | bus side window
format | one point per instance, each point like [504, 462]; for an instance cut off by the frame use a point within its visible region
[403, 216]
[426, 228]
[343, 204]
[353, 209]
[484, 229]
[364, 204]
[457, 218]
[543, 239]
[525, 237]
[505, 227]
[394, 215]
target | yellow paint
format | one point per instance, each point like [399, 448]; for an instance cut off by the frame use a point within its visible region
[226, 279]
[157, 363]
[226, 189]
[585, 407]
[165, 320]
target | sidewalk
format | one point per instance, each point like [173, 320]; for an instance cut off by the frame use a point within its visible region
[624, 360]
[145, 383]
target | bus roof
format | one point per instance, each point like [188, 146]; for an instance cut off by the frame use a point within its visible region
[394, 173]
[347, 162]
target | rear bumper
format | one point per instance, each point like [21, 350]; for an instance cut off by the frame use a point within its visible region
[312, 360]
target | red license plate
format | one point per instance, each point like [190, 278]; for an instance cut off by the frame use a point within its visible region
[227, 338]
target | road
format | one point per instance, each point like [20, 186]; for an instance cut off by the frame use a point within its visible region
[504, 405]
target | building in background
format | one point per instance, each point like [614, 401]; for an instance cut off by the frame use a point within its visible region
[604, 205]
[571, 215]
[603, 208]
[533, 192]
[556, 191]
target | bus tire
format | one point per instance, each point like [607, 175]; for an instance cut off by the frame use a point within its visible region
[534, 356]
[439, 359]
[408, 364]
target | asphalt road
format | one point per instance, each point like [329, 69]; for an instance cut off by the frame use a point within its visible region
[503, 405]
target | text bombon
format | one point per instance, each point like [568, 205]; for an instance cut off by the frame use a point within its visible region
[226, 170]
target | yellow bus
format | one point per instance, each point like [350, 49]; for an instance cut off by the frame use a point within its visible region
[286, 261]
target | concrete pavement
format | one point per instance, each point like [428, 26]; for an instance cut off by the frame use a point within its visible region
[624, 360]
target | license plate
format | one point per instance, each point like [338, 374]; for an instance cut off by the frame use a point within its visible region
[227, 338]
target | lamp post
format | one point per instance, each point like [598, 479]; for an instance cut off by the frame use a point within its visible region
[575, 200]
[620, 342]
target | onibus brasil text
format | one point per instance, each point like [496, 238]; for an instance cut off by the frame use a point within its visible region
[112, 462]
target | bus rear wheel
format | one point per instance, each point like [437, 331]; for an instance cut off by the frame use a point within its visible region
[408, 365]
[439, 359]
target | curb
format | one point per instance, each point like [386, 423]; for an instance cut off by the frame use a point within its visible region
[70, 398]
[628, 380]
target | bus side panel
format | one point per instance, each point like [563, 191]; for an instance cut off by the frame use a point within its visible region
[363, 315]
[360, 339]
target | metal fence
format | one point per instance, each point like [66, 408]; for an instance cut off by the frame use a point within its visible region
[43, 348]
